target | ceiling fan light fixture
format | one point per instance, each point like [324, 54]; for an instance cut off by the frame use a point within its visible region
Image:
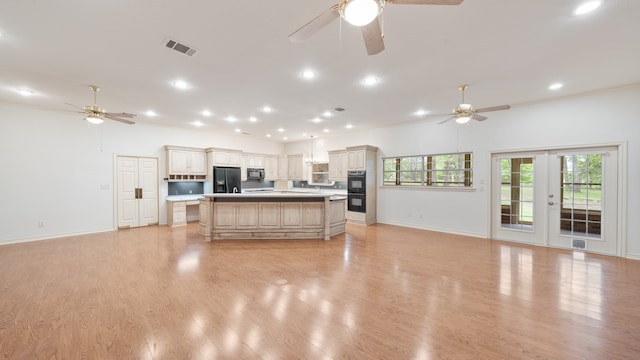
[94, 119]
[463, 119]
[360, 12]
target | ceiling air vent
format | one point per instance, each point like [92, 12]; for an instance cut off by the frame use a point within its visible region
[181, 48]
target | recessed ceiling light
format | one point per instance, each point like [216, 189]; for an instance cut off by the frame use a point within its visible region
[280, 130]
[555, 86]
[237, 130]
[206, 113]
[230, 118]
[181, 84]
[284, 138]
[326, 130]
[316, 120]
[197, 123]
[420, 112]
[267, 109]
[370, 80]
[304, 134]
[25, 92]
[587, 7]
[349, 126]
[308, 74]
[268, 135]
[327, 113]
[253, 119]
[150, 113]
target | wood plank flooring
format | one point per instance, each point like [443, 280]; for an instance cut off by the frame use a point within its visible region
[377, 292]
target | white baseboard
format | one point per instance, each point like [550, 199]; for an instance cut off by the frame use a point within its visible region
[49, 237]
[633, 256]
[447, 231]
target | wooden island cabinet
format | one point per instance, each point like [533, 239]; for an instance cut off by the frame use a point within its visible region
[272, 215]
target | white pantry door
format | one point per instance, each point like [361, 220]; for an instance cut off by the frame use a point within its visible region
[137, 191]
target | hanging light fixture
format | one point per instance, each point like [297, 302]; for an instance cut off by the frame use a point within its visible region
[360, 12]
[310, 160]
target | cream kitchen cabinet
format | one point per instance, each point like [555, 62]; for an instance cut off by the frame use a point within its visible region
[296, 168]
[338, 165]
[224, 157]
[283, 170]
[362, 157]
[185, 164]
[271, 168]
[254, 161]
[178, 214]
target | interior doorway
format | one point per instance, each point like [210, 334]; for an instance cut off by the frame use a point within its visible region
[137, 191]
[564, 198]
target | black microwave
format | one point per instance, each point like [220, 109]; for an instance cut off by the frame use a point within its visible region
[255, 174]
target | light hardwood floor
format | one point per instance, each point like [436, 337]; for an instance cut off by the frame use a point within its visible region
[377, 292]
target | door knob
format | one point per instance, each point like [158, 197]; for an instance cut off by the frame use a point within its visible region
[551, 203]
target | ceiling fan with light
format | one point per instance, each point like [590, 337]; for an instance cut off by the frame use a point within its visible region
[96, 115]
[465, 112]
[361, 13]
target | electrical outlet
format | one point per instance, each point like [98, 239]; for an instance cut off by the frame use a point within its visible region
[40, 223]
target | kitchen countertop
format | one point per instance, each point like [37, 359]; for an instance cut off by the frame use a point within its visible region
[276, 194]
[185, 197]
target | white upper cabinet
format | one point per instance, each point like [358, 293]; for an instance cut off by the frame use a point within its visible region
[357, 160]
[271, 168]
[296, 168]
[185, 164]
[255, 161]
[283, 168]
[338, 165]
[224, 157]
[362, 157]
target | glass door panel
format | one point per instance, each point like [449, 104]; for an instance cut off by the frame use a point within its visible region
[516, 209]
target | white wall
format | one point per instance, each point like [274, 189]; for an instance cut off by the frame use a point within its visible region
[53, 165]
[606, 117]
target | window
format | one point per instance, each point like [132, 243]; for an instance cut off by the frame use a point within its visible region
[443, 170]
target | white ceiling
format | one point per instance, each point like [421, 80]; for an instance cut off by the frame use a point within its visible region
[509, 51]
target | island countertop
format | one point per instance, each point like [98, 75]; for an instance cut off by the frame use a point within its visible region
[272, 196]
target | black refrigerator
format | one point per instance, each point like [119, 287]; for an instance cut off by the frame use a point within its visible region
[226, 179]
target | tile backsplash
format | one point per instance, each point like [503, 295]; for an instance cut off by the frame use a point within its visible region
[186, 188]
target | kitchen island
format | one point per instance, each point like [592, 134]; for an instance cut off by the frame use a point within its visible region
[272, 215]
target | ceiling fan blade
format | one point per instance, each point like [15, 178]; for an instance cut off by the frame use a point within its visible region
[77, 107]
[372, 35]
[111, 117]
[479, 117]
[310, 28]
[122, 115]
[494, 108]
[426, 2]
[447, 119]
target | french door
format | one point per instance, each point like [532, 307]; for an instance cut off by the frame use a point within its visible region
[559, 198]
[137, 191]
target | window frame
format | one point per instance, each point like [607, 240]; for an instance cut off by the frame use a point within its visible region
[428, 173]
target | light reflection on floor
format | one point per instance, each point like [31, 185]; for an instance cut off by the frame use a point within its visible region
[580, 286]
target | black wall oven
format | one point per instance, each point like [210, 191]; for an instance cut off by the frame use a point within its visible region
[356, 191]
[356, 182]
